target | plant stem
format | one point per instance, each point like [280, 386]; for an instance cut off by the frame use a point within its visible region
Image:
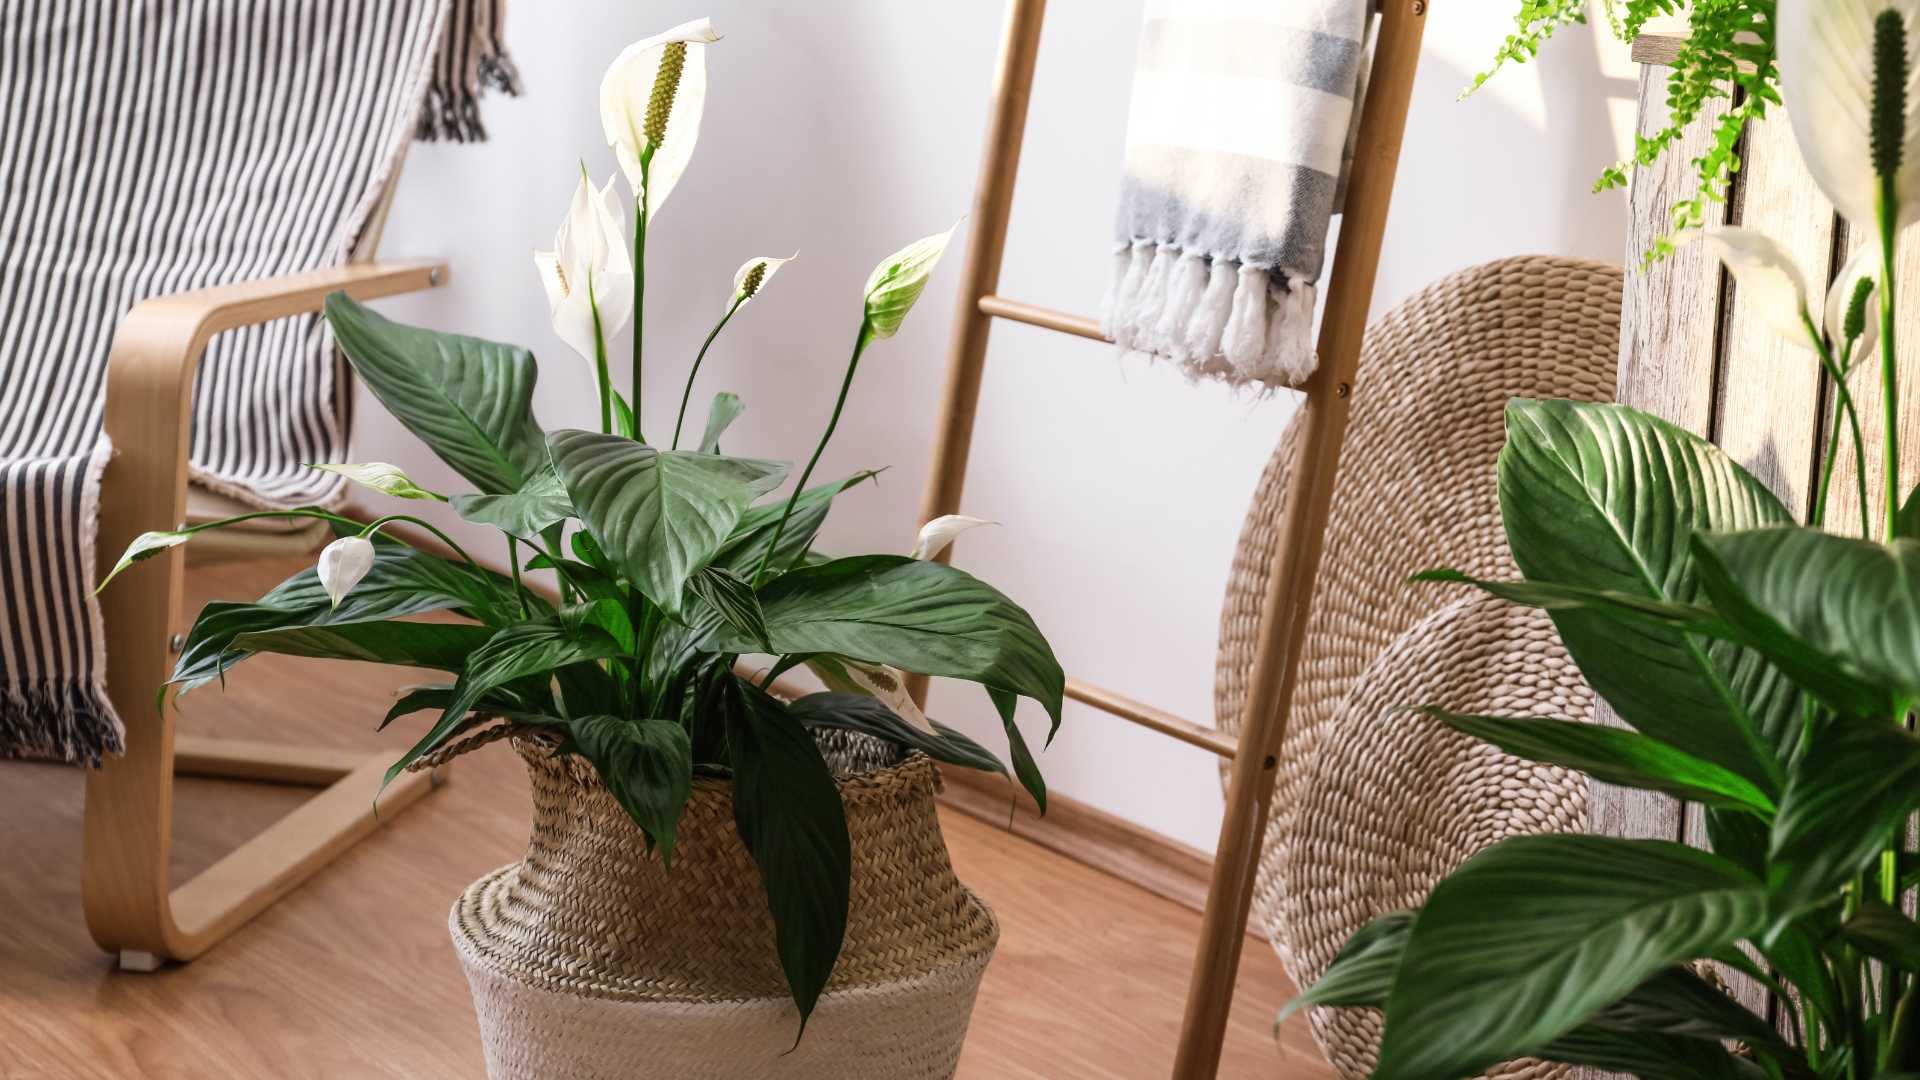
[600, 365]
[444, 538]
[639, 280]
[1889, 380]
[513, 560]
[859, 346]
[1843, 404]
[686, 394]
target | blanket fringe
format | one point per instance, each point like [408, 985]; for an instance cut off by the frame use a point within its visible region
[1210, 316]
[472, 59]
[60, 719]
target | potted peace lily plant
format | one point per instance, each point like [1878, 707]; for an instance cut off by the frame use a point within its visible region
[699, 843]
[1768, 671]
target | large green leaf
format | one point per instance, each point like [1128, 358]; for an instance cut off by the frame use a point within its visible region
[1884, 933]
[526, 513]
[742, 551]
[659, 516]
[1850, 609]
[1533, 936]
[1649, 1055]
[914, 615]
[1005, 702]
[1607, 498]
[1613, 755]
[1362, 972]
[1846, 797]
[470, 401]
[792, 822]
[726, 409]
[439, 646]
[647, 765]
[866, 714]
[732, 598]
[1678, 1002]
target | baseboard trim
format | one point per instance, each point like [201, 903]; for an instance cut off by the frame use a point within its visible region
[1159, 864]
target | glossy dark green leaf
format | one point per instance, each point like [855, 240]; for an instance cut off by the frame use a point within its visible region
[536, 647]
[1884, 933]
[1024, 767]
[1362, 973]
[791, 820]
[1855, 785]
[1531, 937]
[1907, 524]
[1678, 1002]
[525, 513]
[868, 715]
[1607, 498]
[732, 598]
[1614, 755]
[743, 549]
[605, 615]
[659, 516]
[726, 409]
[470, 401]
[916, 616]
[1696, 618]
[647, 766]
[1648, 1055]
[438, 646]
[1841, 615]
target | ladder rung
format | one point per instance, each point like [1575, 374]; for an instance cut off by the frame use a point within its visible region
[1149, 717]
[1001, 308]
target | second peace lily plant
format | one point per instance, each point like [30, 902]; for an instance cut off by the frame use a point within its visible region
[1768, 671]
[673, 570]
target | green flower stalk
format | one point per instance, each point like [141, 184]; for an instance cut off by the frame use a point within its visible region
[1888, 138]
[747, 283]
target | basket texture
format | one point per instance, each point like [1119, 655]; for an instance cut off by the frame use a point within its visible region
[587, 959]
[1371, 810]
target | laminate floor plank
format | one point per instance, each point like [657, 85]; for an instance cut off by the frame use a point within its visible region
[353, 974]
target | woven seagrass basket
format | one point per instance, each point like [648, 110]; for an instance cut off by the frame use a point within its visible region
[587, 959]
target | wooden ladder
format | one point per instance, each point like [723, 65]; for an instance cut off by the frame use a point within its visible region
[1309, 492]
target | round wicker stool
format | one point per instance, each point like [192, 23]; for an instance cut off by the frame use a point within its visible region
[588, 959]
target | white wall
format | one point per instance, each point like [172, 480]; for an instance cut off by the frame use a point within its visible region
[846, 128]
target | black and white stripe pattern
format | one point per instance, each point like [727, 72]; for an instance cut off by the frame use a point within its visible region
[153, 146]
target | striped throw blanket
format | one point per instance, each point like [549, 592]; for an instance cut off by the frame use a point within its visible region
[1236, 147]
[153, 146]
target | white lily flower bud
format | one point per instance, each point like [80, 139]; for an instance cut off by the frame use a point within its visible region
[897, 282]
[343, 564]
[589, 270]
[652, 98]
[889, 685]
[1769, 275]
[935, 535]
[1864, 265]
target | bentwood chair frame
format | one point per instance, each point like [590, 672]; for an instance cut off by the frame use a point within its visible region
[1296, 556]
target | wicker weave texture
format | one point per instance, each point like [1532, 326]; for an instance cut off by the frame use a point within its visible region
[590, 933]
[1369, 813]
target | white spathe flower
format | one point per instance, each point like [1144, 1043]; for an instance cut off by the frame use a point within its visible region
[889, 685]
[1768, 274]
[754, 274]
[1826, 82]
[935, 535]
[640, 110]
[343, 563]
[588, 269]
[1865, 264]
[899, 280]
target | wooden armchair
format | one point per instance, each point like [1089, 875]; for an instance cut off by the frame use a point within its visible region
[129, 807]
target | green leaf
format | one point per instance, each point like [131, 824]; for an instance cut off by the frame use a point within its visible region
[1614, 755]
[1695, 618]
[916, 616]
[1024, 767]
[659, 516]
[607, 615]
[536, 647]
[1884, 933]
[1678, 1002]
[1907, 525]
[525, 513]
[439, 646]
[469, 400]
[1840, 615]
[1648, 1055]
[726, 409]
[1362, 973]
[868, 715]
[732, 598]
[1533, 936]
[623, 424]
[741, 553]
[1844, 800]
[791, 820]
[1607, 498]
[382, 477]
[144, 547]
[647, 766]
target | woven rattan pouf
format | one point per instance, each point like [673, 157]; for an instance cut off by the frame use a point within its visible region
[588, 959]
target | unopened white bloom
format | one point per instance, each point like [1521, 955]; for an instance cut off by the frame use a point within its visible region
[343, 564]
[889, 685]
[754, 274]
[382, 477]
[1769, 277]
[1826, 81]
[897, 282]
[588, 270]
[1864, 264]
[652, 98]
[935, 535]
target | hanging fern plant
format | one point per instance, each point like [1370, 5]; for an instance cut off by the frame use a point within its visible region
[1727, 57]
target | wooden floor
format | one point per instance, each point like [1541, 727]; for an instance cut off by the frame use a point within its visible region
[353, 974]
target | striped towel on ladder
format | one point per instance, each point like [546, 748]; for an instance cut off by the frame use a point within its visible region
[156, 146]
[1240, 129]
